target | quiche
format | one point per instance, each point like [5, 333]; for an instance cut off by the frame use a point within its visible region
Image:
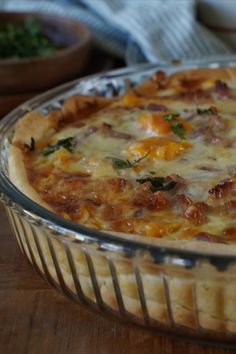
[156, 165]
[158, 161]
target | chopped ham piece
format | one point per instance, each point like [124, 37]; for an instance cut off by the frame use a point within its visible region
[108, 129]
[82, 135]
[209, 168]
[221, 88]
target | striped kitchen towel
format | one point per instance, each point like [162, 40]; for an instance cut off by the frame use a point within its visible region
[137, 30]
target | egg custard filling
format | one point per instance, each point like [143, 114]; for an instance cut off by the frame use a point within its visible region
[158, 161]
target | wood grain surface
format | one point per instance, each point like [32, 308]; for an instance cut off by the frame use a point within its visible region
[37, 319]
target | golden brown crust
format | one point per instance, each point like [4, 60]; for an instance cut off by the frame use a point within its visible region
[34, 125]
[81, 107]
[152, 85]
[201, 74]
[18, 176]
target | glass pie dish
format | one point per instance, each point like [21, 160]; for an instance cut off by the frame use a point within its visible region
[180, 291]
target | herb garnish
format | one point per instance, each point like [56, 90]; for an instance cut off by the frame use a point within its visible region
[24, 39]
[178, 129]
[175, 125]
[66, 143]
[209, 111]
[31, 147]
[171, 116]
[121, 164]
[158, 183]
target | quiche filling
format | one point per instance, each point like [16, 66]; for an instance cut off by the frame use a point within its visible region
[158, 161]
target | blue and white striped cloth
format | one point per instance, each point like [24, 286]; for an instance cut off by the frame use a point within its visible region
[137, 30]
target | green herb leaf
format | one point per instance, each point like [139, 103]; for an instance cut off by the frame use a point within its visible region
[171, 116]
[66, 143]
[22, 39]
[121, 164]
[158, 183]
[208, 111]
[178, 129]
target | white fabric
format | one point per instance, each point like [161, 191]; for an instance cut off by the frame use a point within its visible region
[139, 30]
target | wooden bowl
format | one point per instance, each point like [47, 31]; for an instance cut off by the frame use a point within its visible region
[35, 74]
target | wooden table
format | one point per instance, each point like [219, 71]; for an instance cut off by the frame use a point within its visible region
[37, 319]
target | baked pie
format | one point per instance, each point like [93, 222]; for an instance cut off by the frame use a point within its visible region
[158, 161]
[156, 164]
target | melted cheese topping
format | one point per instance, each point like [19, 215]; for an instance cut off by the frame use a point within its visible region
[109, 178]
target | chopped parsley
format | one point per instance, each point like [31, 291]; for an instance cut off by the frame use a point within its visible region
[171, 116]
[208, 111]
[23, 39]
[121, 164]
[177, 127]
[66, 143]
[158, 183]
